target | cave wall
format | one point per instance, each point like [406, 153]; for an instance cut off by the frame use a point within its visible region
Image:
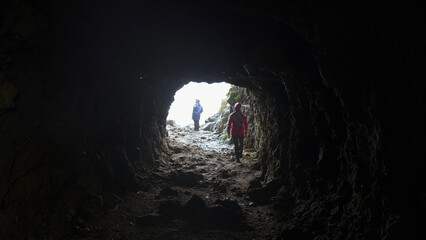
[73, 135]
[335, 92]
[344, 158]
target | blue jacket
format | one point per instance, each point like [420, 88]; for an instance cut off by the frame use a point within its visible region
[196, 111]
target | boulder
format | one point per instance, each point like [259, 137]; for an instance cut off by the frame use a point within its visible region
[229, 204]
[167, 191]
[171, 209]
[223, 217]
[171, 123]
[209, 127]
[194, 209]
[189, 179]
[227, 214]
[149, 220]
[255, 183]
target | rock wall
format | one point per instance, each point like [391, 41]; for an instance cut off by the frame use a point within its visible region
[73, 136]
[341, 156]
[329, 137]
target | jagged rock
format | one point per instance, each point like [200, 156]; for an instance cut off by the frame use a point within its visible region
[225, 173]
[255, 183]
[170, 209]
[171, 123]
[229, 204]
[149, 220]
[296, 233]
[195, 208]
[212, 118]
[223, 186]
[255, 166]
[8, 93]
[222, 216]
[175, 149]
[167, 191]
[237, 191]
[227, 214]
[260, 195]
[209, 127]
[189, 179]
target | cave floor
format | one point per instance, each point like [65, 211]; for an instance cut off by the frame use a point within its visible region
[200, 164]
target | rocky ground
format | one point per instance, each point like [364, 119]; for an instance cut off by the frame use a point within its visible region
[201, 193]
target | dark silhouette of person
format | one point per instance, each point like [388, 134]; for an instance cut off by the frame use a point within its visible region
[237, 129]
[196, 113]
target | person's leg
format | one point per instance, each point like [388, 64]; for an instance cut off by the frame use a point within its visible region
[196, 125]
[241, 146]
[236, 147]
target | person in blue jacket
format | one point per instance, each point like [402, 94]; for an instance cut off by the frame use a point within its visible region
[196, 113]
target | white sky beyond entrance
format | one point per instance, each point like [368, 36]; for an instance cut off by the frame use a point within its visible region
[210, 96]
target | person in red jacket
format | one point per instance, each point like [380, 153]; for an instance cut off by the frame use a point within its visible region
[237, 129]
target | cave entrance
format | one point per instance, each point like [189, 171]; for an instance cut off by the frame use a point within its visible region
[210, 135]
[212, 97]
[216, 100]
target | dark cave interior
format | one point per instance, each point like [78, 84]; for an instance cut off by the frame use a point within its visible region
[85, 88]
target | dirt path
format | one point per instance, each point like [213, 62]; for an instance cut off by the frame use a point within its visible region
[200, 194]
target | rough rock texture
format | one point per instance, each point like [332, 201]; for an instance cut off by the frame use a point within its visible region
[335, 90]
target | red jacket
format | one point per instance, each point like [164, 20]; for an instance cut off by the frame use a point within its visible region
[237, 124]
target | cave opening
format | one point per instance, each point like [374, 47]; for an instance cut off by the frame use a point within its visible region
[212, 96]
[217, 99]
[207, 130]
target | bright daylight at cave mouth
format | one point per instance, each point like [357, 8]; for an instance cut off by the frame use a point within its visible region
[210, 96]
